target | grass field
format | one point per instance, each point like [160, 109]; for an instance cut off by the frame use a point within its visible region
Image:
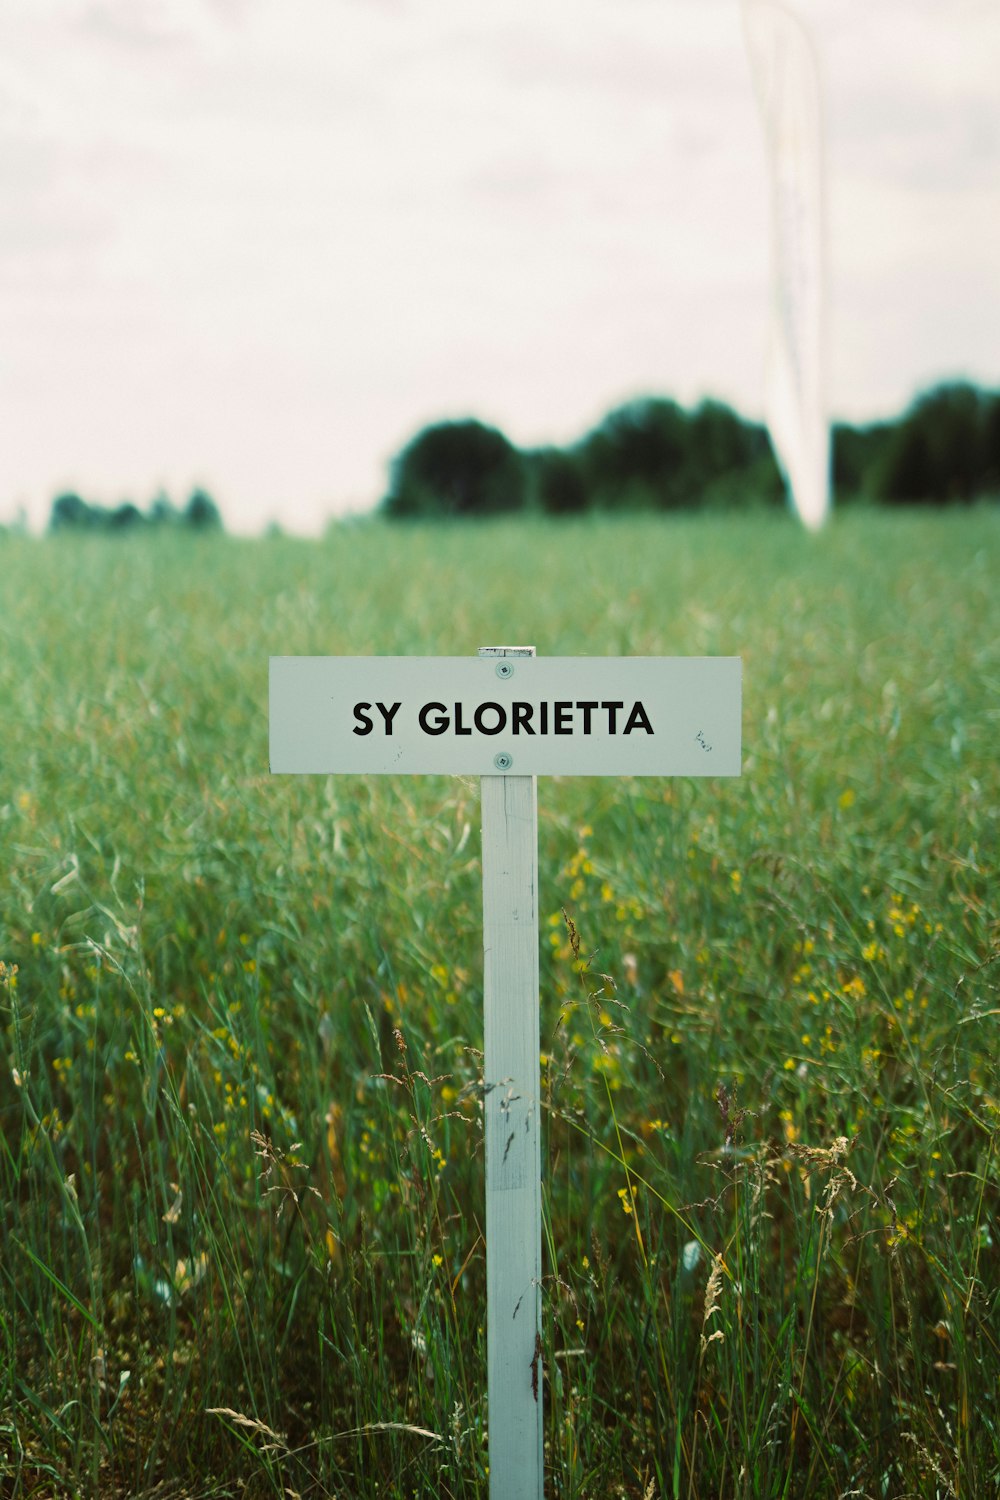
[238, 1261]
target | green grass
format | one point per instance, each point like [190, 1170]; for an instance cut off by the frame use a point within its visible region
[794, 1085]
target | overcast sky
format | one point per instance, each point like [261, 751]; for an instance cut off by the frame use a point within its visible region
[256, 245]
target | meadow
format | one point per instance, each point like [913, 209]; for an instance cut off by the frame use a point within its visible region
[241, 1166]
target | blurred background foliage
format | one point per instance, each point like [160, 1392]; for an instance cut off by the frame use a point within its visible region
[652, 454]
[649, 454]
[71, 512]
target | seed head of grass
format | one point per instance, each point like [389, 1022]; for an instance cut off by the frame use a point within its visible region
[713, 1298]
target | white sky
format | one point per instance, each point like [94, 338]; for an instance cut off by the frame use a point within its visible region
[256, 244]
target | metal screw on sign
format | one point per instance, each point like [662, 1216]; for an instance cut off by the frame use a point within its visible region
[503, 761]
[505, 669]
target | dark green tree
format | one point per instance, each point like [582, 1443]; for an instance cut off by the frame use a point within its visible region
[991, 440]
[940, 453]
[456, 469]
[70, 512]
[651, 452]
[719, 441]
[201, 512]
[125, 517]
[858, 454]
[638, 455]
[556, 482]
[163, 511]
[730, 462]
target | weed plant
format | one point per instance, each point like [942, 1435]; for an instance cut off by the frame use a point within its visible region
[241, 1165]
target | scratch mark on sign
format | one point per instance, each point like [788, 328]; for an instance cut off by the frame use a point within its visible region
[536, 1360]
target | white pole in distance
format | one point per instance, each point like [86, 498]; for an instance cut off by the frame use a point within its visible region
[512, 1122]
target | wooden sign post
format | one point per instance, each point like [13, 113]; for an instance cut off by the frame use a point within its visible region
[509, 716]
[512, 1126]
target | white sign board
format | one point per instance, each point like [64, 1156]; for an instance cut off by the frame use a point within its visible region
[519, 716]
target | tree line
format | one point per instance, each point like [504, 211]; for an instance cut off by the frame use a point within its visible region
[71, 512]
[652, 454]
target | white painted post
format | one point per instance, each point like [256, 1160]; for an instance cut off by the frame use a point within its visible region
[512, 1123]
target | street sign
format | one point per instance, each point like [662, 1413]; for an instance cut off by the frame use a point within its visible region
[508, 716]
[520, 716]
